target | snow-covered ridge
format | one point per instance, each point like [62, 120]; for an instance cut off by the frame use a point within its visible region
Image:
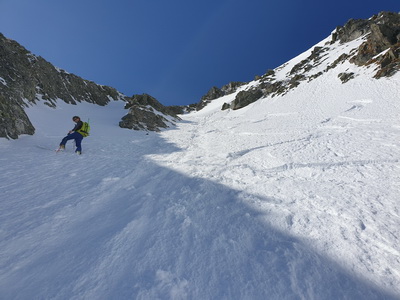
[291, 197]
[367, 47]
[294, 196]
[317, 61]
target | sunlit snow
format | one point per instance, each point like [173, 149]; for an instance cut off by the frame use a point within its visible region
[291, 197]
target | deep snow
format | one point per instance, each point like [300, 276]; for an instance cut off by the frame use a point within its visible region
[292, 197]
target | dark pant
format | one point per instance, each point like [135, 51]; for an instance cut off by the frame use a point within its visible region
[74, 136]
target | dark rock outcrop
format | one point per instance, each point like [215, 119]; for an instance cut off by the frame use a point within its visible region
[244, 98]
[225, 106]
[13, 120]
[352, 30]
[26, 78]
[215, 93]
[384, 35]
[344, 77]
[146, 113]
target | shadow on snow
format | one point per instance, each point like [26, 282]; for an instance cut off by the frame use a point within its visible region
[149, 232]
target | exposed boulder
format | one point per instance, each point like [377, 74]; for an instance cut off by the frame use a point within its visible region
[146, 113]
[244, 98]
[142, 118]
[225, 106]
[344, 77]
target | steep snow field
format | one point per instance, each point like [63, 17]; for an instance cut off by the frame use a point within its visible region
[320, 166]
[292, 197]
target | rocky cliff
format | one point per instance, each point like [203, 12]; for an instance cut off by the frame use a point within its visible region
[26, 79]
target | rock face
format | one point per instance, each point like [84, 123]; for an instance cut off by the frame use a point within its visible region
[13, 120]
[26, 79]
[384, 34]
[380, 49]
[244, 98]
[146, 113]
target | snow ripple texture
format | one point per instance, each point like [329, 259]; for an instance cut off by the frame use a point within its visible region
[294, 197]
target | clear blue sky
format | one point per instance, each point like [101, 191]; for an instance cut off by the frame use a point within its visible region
[175, 50]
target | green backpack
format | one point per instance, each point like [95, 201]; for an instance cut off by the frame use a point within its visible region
[85, 129]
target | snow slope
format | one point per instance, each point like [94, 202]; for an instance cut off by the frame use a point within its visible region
[320, 166]
[292, 197]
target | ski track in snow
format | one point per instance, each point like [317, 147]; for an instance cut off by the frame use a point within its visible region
[288, 198]
[330, 182]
